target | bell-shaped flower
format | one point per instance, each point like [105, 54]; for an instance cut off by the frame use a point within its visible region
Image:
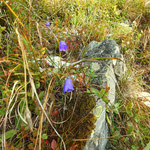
[63, 46]
[47, 24]
[68, 86]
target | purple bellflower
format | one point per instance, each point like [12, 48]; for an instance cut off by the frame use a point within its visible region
[68, 87]
[47, 24]
[63, 46]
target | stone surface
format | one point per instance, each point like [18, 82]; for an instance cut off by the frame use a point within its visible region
[101, 129]
[145, 97]
[105, 71]
[108, 48]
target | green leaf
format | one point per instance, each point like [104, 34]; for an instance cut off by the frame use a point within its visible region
[130, 127]
[147, 146]
[130, 130]
[37, 84]
[8, 134]
[44, 136]
[108, 120]
[2, 111]
[134, 147]
[2, 28]
[2, 15]
[117, 105]
[41, 95]
[101, 94]
[88, 91]
[116, 134]
[96, 92]
[29, 94]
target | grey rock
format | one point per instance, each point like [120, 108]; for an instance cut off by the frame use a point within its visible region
[108, 48]
[105, 71]
[98, 137]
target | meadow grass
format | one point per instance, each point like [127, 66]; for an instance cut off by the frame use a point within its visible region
[33, 108]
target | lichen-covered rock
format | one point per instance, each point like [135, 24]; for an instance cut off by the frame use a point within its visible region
[108, 48]
[105, 75]
[98, 137]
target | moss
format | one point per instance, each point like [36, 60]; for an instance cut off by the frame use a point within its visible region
[83, 120]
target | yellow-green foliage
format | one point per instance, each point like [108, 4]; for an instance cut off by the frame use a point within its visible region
[1, 30]
[97, 19]
[77, 22]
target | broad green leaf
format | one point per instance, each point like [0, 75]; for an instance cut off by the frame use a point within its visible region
[37, 84]
[8, 134]
[96, 92]
[101, 94]
[44, 136]
[147, 146]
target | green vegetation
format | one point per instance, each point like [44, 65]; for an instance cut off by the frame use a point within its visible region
[34, 111]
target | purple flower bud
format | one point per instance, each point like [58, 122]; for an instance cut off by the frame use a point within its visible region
[68, 85]
[63, 46]
[47, 24]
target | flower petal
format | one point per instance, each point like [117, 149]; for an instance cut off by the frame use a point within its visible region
[68, 86]
[63, 46]
[47, 24]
